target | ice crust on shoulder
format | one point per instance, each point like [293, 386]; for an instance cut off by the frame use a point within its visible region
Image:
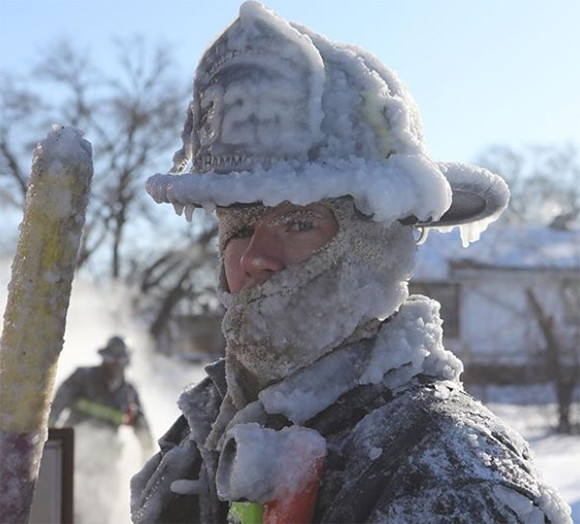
[409, 344]
[412, 344]
[551, 506]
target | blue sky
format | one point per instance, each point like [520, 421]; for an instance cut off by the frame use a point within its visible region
[482, 71]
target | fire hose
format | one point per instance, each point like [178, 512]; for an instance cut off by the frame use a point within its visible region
[35, 316]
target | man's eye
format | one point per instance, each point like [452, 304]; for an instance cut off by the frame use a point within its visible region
[300, 226]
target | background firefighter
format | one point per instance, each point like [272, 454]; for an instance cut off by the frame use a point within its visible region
[97, 401]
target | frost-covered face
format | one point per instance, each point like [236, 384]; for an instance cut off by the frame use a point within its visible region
[358, 273]
[282, 237]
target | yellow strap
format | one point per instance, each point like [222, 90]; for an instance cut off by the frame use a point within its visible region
[100, 411]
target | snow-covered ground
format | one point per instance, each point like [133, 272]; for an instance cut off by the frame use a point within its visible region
[557, 456]
[95, 314]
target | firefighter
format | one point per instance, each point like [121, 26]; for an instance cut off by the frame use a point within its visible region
[334, 379]
[97, 401]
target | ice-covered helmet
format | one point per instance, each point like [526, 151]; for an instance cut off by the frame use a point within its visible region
[280, 113]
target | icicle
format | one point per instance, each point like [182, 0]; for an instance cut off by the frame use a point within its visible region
[189, 208]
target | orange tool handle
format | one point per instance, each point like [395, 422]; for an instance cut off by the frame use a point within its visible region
[296, 508]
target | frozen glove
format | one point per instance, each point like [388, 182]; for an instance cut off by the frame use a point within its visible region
[263, 465]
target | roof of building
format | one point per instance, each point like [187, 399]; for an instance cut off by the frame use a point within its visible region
[502, 246]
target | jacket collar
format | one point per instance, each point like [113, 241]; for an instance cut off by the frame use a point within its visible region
[410, 344]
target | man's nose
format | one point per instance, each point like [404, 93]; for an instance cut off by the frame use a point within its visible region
[264, 256]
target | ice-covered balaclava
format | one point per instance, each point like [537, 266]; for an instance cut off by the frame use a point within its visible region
[307, 310]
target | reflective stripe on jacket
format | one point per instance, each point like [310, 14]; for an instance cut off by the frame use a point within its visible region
[100, 411]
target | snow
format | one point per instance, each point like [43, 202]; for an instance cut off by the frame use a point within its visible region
[556, 456]
[63, 146]
[522, 506]
[412, 343]
[502, 246]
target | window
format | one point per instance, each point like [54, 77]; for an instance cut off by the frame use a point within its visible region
[53, 496]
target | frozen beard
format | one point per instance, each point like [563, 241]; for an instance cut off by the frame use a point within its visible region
[305, 311]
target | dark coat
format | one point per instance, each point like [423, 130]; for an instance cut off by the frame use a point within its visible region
[428, 454]
[88, 396]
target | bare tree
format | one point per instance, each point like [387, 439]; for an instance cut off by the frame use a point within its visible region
[543, 181]
[132, 116]
[176, 281]
[544, 185]
[561, 361]
[17, 104]
[132, 113]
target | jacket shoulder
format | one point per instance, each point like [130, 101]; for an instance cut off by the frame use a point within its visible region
[173, 484]
[430, 440]
[483, 502]
[448, 436]
[153, 498]
[86, 371]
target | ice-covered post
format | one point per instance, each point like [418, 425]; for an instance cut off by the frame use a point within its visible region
[34, 320]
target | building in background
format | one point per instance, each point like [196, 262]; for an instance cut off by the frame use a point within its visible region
[510, 305]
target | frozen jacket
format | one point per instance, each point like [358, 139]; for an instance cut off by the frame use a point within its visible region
[404, 442]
